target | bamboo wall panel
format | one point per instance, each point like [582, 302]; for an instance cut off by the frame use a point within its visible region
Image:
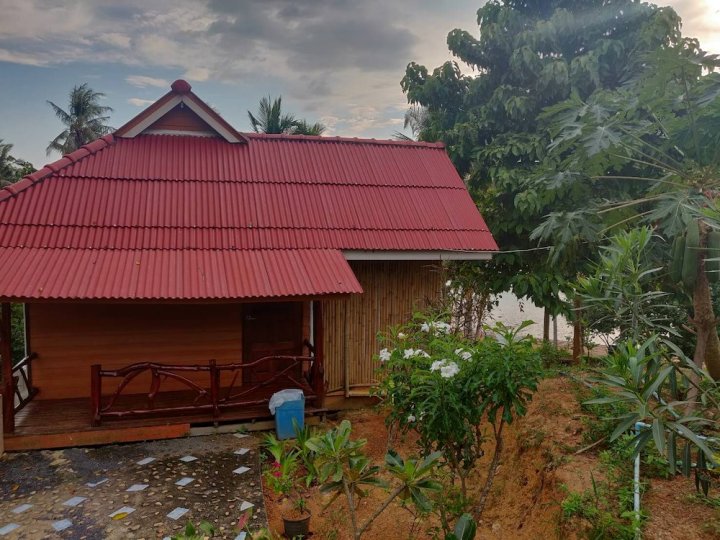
[393, 290]
[69, 338]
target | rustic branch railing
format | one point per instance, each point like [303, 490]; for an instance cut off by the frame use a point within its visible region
[209, 398]
[25, 392]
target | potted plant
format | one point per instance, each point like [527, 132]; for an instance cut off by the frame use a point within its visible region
[281, 475]
[296, 519]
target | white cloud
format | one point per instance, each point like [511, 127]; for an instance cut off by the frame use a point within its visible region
[141, 81]
[139, 102]
[21, 58]
[197, 74]
[116, 39]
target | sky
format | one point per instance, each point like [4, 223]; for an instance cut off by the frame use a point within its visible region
[335, 61]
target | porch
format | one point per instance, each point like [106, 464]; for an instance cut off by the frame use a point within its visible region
[162, 399]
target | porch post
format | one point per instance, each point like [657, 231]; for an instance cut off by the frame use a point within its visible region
[8, 389]
[318, 343]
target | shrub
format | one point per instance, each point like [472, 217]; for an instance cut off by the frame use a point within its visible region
[442, 386]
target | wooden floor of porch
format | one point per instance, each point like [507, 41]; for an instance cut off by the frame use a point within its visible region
[60, 423]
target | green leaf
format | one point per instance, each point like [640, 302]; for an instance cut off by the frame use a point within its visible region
[658, 430]
[627, 423]
[465, 528]
[671, 452]
[685, 432]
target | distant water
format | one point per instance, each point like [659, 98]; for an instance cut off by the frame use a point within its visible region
[512, 312]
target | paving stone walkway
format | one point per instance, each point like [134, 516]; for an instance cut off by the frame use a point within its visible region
[132, 491]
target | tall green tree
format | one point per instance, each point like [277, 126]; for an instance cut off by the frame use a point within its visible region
[11, 169]
[85, 120]
[530, 55]
[270, 118]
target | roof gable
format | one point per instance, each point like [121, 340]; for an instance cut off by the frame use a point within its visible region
[169, 109]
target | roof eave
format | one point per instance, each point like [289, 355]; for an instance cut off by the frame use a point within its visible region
[426, 255]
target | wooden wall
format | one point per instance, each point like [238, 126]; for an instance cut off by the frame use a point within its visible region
[392, 291]
[181, 119]
[69, 338]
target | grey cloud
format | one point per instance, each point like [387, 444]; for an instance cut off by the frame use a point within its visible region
[315, 36]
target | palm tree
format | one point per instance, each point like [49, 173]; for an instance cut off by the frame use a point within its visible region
[417, 118]
[271, 119]
[303, 127]
[11, 168]
[7, 171]
[84, 121]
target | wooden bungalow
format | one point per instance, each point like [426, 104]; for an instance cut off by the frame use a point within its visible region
[179, 272]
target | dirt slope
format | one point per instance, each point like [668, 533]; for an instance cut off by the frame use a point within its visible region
[539, 465]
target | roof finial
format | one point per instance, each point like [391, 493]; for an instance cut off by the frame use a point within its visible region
[181, 86]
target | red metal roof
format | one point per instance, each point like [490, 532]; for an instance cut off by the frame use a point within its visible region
[71, 274]
[175, 192]
[176, 199]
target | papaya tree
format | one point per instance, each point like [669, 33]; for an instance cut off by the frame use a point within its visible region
[658, 137]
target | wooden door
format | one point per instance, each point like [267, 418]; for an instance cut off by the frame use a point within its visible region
[271, 329]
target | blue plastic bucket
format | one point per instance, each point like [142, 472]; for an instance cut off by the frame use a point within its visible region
[284, 416]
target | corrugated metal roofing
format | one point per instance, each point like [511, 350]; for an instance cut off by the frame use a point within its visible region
[200, 213]
[274, 192]
[71, 274]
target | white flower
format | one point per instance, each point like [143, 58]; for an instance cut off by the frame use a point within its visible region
[442, 327]
[449, 370]
[465, 355]
[384, 355]
[401, 335]
[411, 353]
[411, 418]
[437, 364]
[425, 327]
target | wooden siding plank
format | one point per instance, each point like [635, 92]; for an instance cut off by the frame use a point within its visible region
[69, 338]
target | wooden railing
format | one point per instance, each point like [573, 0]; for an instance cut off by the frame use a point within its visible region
[303, 372]
[25, 392]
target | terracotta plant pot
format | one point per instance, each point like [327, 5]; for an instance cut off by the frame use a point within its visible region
[297, 526]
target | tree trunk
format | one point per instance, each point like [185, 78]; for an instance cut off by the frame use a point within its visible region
[703, 315]
[546, 325]
[707, 348]
[577, 330]
[492, 471]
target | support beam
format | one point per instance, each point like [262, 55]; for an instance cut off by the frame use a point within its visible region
[8, 387]
[319, 344]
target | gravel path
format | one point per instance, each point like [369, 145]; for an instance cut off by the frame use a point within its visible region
[213, 478]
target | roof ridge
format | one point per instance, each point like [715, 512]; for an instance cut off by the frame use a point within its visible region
[50, 169]
[356, 140]
[118, 178]
[246, 227]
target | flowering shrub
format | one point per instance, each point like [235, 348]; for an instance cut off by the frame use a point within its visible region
[442, 386]
[280, 471]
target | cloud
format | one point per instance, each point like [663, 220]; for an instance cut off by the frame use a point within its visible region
[116, 39]
[139, 102]
[314, 36]
[141, 81]
[197, 74]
